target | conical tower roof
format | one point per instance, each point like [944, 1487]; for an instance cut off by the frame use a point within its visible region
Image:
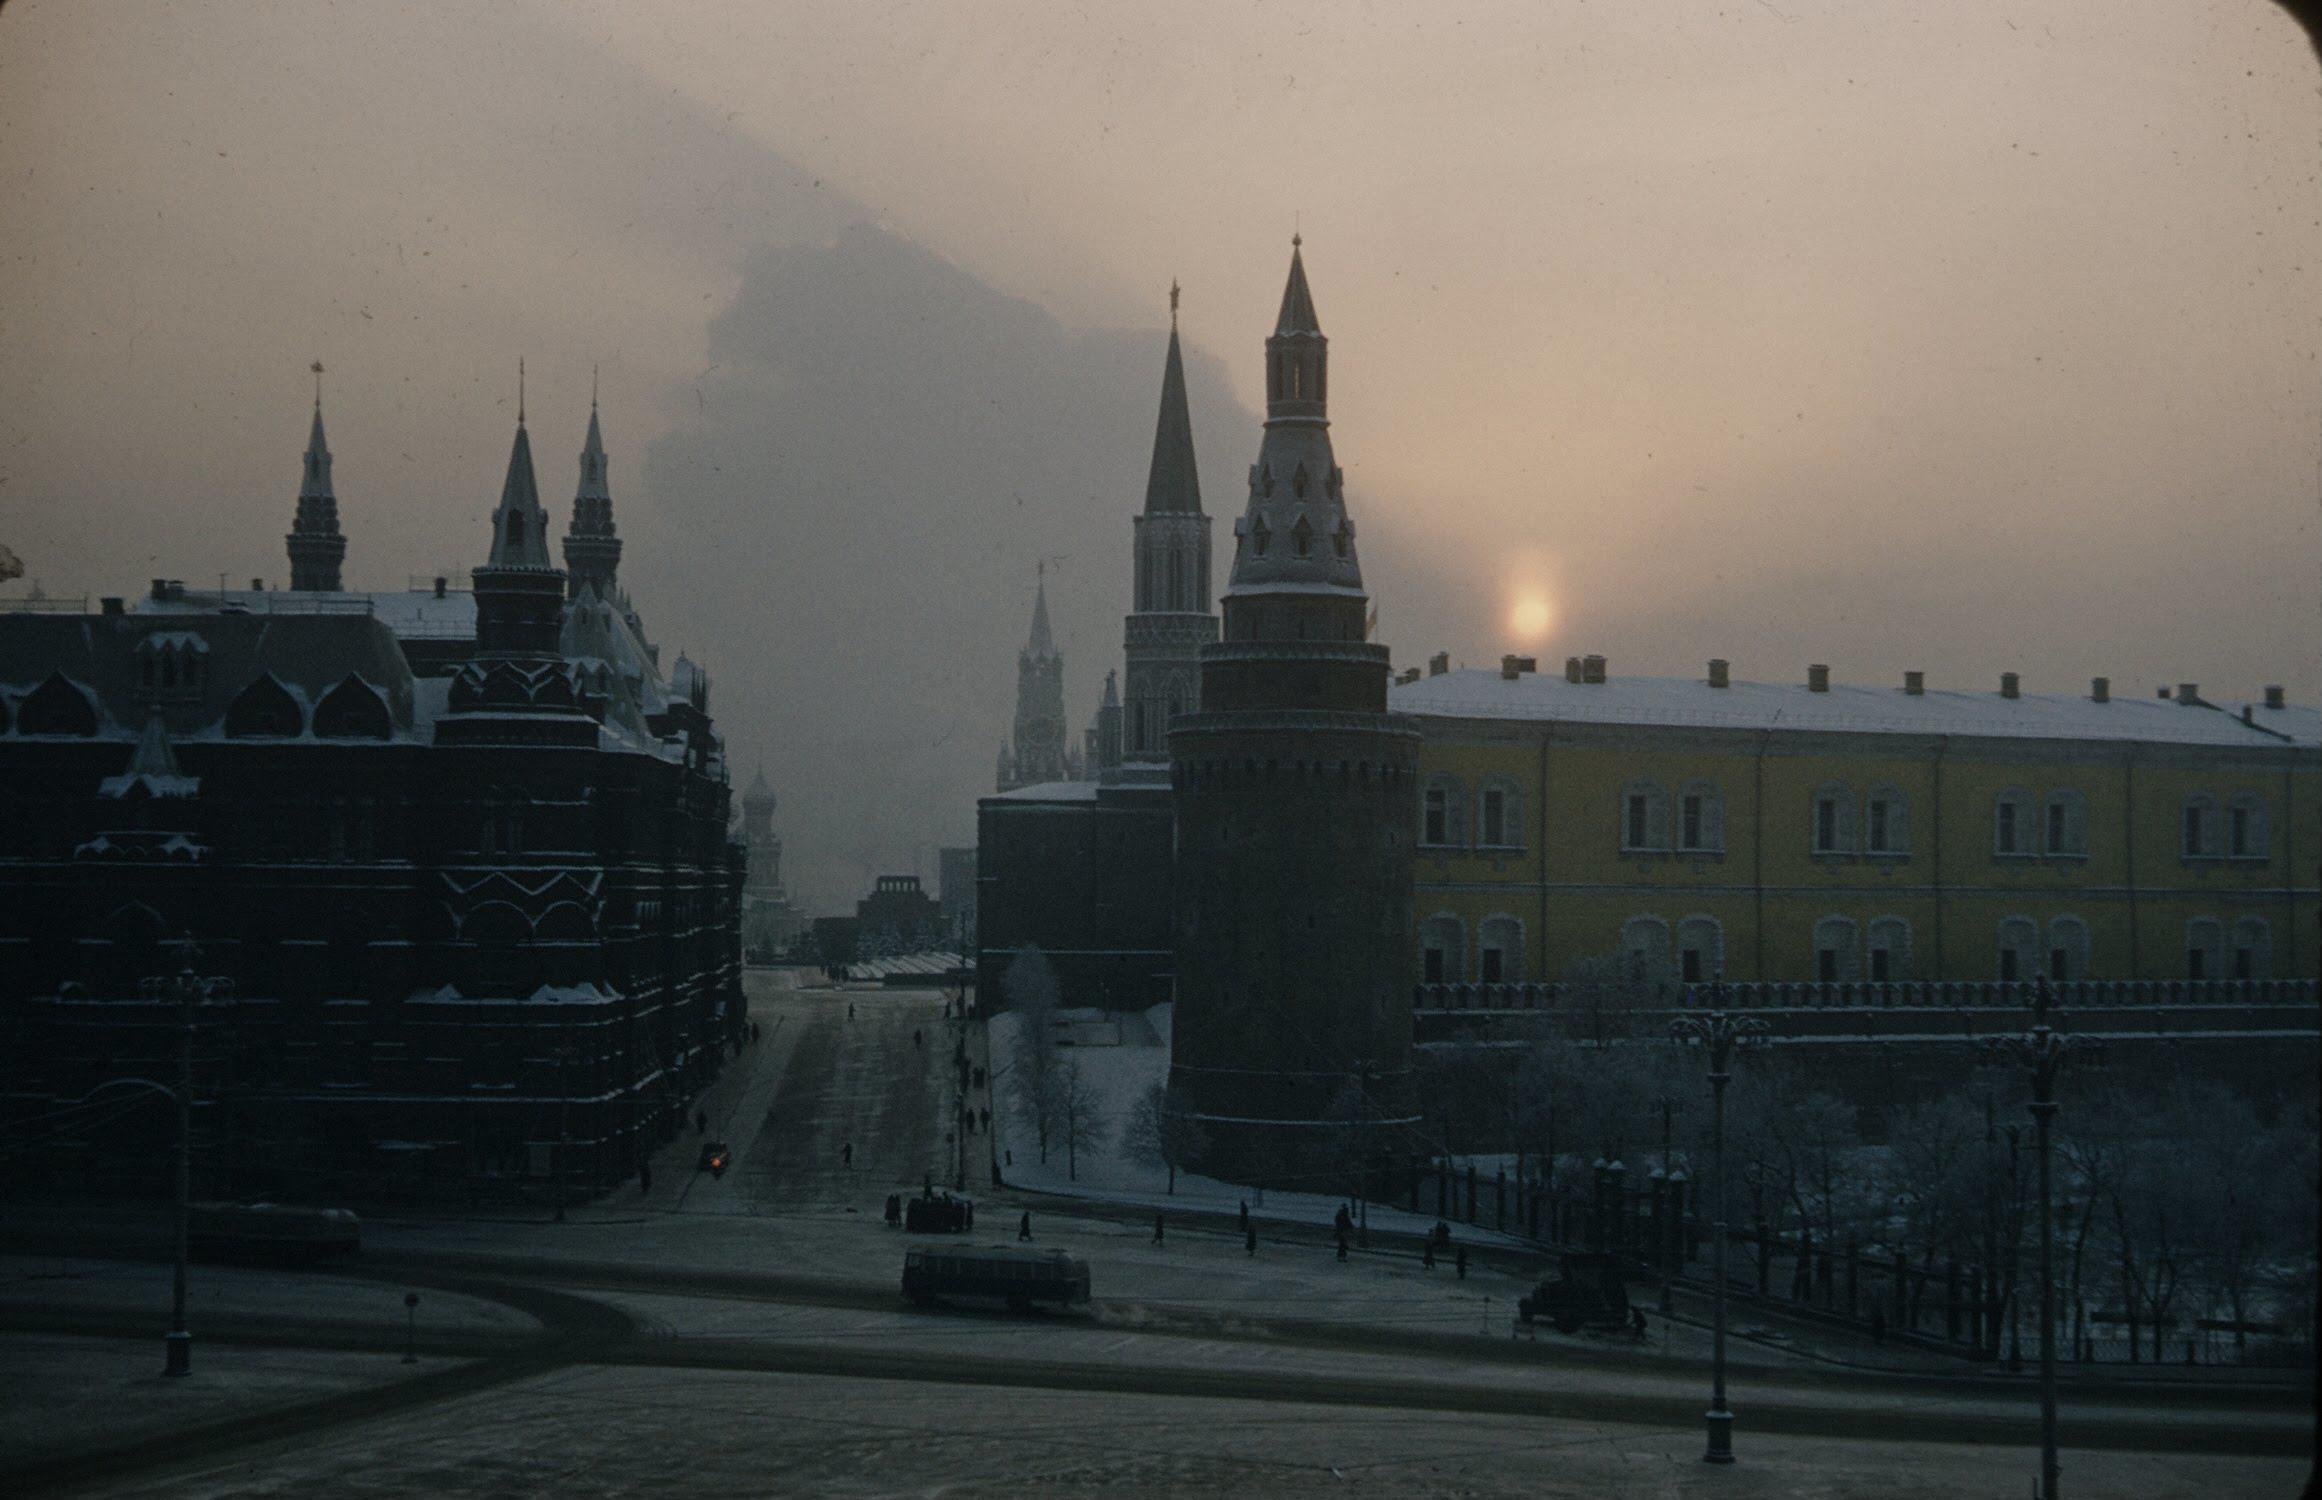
[1042, 641]
[592, 478]
[520, 526]
[1295, 534]
[1174, 484]
[315, 484]
[1297, 315]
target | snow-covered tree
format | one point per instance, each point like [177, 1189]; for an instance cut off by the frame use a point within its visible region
[1080, 1113]
[1033, 993]
[1159, 1131]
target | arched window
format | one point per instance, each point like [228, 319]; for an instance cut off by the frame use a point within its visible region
[264, 710]
[2067, 948]
[2245, 826]
[1500, 950]
[1644, 816]
[1440, 810]
[1833, 819]
[1260, 535]
[1645, 940]
[1302, 536]
[2197, 838]
[1499, 815]
[2011, 823]
[2064, 824]
[2019, 948]
[1700, 949]
[1887, 946]
[1442, 943]
[1836, 950]
[515, 528]
[353, 710]
[58, 706]
[2204, 949]
[2253, 948]
[1700, 818]
[1886, 818]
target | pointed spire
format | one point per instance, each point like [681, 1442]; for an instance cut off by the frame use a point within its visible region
[592, 477]
[520, 526]
[1297, 315]
[592, 551]
[316, 546]
[1112, 698]
[1173, 483]
[1042, 642]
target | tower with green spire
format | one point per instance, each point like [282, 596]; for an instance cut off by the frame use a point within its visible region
[1170, 588]
[316, 545]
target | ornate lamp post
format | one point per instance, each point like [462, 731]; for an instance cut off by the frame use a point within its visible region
[2042, 1052]
[188, 990]
[1720, 1033]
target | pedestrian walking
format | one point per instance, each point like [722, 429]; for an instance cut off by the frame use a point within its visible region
[1250, 1240]
[1460, 1262]
[644, 1177]
[1157, 1227]
[1342, 1245]
[918, 1040]
[1024, 1226]
[850, 1010]
[754, 1031]
[1344, 1221]
[1245, 1226]
[847, 1154]
[701, 1122]
[1427, 1257]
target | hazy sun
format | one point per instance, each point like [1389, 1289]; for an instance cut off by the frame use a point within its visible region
[1529, 620]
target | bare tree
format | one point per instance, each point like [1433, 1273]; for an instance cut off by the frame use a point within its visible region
[1161, 1132]
[1080, 1117]
[1033, 994]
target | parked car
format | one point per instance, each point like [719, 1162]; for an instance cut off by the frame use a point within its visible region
[271, 1233]
[944, 1215]
[1589, 1293]
[715, 1158]
[1016, 1278]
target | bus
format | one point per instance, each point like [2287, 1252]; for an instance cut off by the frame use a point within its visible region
[271, 1233]
[1018, 1279]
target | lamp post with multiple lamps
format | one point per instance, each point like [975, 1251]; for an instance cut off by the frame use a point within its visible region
[2042, 1052]
[189, 991]
[1719, 1034]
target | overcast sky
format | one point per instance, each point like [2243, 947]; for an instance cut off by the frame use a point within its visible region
[1977, 337]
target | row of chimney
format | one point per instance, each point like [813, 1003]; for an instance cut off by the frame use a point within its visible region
[1591, 669]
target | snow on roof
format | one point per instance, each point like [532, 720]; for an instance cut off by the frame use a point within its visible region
[1477, 693]
[2304, 725]
[410, 613]
[1050, 791]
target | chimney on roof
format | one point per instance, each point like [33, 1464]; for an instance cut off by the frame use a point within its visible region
[2248, 715]
[1438, 664]
[1915, 684]
[2274, 695]
[2100, 689]
[1572, 669]
[160, 588]
[1512, 667]
[1408, 674]
[2188, 692]
[1592, 669]
[439, 586]
[1818, 678]
[110, 605]
[1717, 673]
[2010, 685]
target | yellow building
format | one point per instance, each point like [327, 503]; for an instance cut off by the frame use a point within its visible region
[1824, 831]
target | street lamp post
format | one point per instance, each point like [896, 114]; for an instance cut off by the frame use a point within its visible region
[1720, 1033]
[187, 990]
[2042, 1052]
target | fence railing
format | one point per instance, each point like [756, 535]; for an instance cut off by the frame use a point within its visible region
[1929, 994]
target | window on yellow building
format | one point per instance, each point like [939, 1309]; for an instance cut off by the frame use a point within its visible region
[1500, 950]
[1442, 942]
[2204, 942]
[2011, 823]
[1644, 816]
[2199, 837]
[2067, 949]
[1889, 950]
[1700, 949]
[2253, 948]
[1886, 822]
[1833, 819]
[1646, 942]
[2245, 826]
[1439, 813]
[2066, 823]
[1700, 818]
[1499, 817]
[2019, 948]
[1835, 950]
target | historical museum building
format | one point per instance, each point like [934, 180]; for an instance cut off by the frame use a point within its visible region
[461, 856]
[1815, 831]
[1295, 815]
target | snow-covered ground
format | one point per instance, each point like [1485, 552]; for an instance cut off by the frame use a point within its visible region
[1124, 1055]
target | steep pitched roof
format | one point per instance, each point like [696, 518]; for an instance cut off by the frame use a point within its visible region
[1173, 485]
[592, 480]
[525, 543]
[316, 482]
[1297, 315]
[1042, 641]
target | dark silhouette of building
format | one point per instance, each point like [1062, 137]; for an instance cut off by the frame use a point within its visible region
[897, 917]
[463, 857]
[1295, 818]
[1038, 754]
